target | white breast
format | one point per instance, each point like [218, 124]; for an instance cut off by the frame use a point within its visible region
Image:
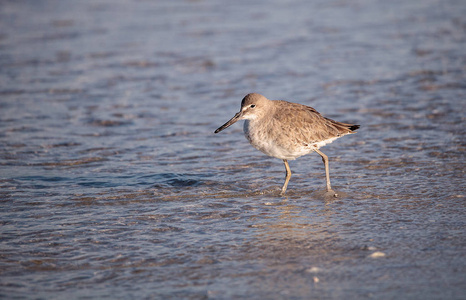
[264, 142]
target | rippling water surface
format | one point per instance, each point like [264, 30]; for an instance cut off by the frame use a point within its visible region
[113, 185]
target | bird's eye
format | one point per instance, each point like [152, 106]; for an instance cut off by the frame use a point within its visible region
[252, 106]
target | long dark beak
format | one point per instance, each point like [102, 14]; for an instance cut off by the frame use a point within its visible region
[230, 122]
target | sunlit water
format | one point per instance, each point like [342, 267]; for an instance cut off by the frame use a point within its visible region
[113, 185]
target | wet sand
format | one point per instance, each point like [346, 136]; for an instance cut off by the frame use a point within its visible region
[113, 185]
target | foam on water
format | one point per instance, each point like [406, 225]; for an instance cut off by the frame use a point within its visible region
[112, 184]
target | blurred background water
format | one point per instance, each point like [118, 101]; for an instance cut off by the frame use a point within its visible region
[113, 185]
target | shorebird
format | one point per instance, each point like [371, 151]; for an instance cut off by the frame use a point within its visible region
[287, 130]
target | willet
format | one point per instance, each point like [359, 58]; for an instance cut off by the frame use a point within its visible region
[287, 130]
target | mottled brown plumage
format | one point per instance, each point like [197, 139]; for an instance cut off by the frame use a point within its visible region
[287, 130]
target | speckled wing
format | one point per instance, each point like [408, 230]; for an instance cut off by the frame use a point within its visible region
[305, 126]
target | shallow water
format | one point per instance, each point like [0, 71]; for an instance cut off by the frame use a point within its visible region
[113, 185]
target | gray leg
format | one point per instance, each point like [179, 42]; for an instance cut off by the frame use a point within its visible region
[287, 177]
[327, 172]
